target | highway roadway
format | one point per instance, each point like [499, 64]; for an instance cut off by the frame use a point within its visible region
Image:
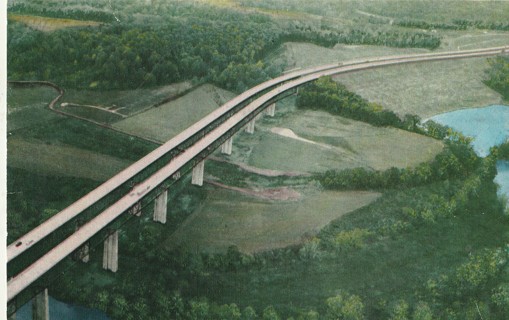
[286, 83]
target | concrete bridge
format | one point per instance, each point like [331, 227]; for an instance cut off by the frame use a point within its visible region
[151, 176]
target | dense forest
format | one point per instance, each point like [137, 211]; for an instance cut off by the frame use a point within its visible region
[212, 45]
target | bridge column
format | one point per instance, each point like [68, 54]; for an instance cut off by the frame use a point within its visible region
[40, 306]
[110, 253]
[198, 172]
[250, 126]
[226, 147]
[271, 110]
[136, 209]
[161, 207]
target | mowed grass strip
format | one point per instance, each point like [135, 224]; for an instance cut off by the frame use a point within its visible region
[228, 218]
[61, 160]
[50, 24]
[168, 120]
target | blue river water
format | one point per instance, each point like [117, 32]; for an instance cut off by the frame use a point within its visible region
[488, 126]
[62, 311]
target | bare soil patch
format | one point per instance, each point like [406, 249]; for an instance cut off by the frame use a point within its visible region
[51, 24]
[276, 194]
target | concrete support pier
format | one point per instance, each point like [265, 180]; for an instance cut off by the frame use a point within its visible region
[40, 306]
[226, 147]
[198, 172]
[161, 207]
[110, 254]
[136, 209]
[271, 110]
[250, 126]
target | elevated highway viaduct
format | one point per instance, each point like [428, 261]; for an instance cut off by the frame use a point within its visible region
[188, 151]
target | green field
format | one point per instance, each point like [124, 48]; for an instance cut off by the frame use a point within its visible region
[28, 106]
[425, 89]
[439, 11]
[169, 119]
[227, 218]
[61, 160]
[473, 39]
[340, 143]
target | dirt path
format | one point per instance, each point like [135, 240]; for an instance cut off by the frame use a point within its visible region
[290, 134]
[260, 171]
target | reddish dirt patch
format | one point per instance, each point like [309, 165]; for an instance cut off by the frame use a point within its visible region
[262, 172]
[277, 194]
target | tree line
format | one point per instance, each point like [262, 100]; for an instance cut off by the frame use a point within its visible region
[328, 95]
[502, 151]
[389, 38]
[497, 75]
[457, 24]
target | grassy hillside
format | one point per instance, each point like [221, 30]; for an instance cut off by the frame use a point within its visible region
[255, 225]
[61, 160]
[425, 89]
[166, 121]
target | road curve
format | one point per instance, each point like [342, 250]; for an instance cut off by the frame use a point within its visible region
[35, 235]
[66, 247]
